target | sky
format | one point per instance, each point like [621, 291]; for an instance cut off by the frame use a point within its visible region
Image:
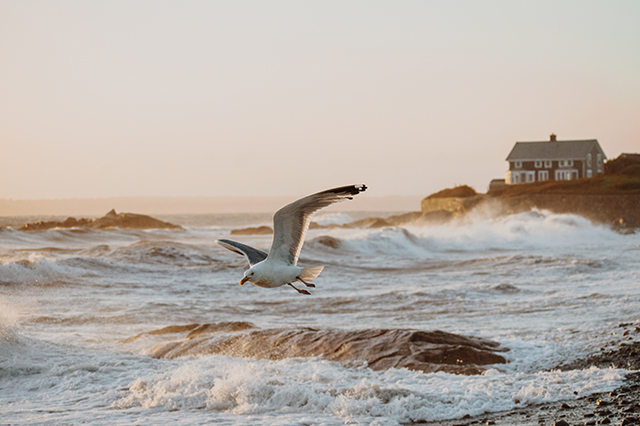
[254, 98]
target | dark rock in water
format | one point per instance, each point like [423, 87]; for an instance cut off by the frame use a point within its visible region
[110, 220]
[506, 289]
[327, 241]
[625, 226]
[382, 349]
[258, 230]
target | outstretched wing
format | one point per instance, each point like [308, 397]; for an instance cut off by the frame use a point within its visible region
[291, 222]
[253, 255]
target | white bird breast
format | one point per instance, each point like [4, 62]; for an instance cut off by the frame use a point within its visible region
[269, 275]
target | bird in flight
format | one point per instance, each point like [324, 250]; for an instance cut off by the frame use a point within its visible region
[290, 223]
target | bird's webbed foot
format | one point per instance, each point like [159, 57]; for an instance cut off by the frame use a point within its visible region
[300, 291]
[305, 283]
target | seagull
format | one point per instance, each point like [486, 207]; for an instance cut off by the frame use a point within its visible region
[290, 223]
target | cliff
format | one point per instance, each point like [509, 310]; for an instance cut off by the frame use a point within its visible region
[622, 211]
[605, 200]
[613, 198]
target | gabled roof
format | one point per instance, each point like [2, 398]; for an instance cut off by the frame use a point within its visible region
[551, 150]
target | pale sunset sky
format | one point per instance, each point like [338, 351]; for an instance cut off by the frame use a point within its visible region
[218, 98]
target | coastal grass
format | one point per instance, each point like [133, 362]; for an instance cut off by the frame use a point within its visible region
[600, 185]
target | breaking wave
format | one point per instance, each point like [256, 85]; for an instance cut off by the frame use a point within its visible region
[450, 245]
[325, 389]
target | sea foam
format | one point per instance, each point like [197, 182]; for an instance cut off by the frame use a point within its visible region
[329, 390]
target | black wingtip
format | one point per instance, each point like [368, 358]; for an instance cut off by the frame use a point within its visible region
[347, 190]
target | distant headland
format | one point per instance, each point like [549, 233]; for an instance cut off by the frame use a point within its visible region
[109, 221]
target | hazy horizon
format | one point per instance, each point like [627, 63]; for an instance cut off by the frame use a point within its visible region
[212, 99]
[191, 205]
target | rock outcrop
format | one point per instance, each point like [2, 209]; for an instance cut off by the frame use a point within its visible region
[257, 230]
[110, 220]
[456, 201]
[427, 351]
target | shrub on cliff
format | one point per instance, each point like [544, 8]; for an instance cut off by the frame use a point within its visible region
[623, 165]
[462, 191]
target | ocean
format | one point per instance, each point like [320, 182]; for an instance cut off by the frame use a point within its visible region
[83, 314]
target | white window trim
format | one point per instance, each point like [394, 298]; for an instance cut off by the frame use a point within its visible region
[538, 164]
[548, 164]
[518, 164]
[566, 174]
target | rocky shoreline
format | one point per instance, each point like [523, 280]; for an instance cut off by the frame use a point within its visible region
[618, 407]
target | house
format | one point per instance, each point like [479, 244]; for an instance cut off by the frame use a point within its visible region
[554, 160]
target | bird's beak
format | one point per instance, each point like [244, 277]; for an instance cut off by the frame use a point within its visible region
[244, 280]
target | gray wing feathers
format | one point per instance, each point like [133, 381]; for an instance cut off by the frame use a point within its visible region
[253, 255]
[290, 223]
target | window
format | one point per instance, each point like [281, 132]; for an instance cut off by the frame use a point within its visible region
[531, 176]
[589, 160]
[518, 164]
[599, 160]
[566, 163]
[543, 175]
[589, 173]
[538, 164]
[565, 174]
[547, 164]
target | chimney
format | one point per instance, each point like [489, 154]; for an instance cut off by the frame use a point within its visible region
[552, 137]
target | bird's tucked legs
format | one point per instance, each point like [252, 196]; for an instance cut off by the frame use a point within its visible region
[305, 283]
[300, 291]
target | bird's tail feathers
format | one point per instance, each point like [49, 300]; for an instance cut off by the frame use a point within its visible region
[309, 274]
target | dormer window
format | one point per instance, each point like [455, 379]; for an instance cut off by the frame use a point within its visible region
[538, 164]
[518, 164]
